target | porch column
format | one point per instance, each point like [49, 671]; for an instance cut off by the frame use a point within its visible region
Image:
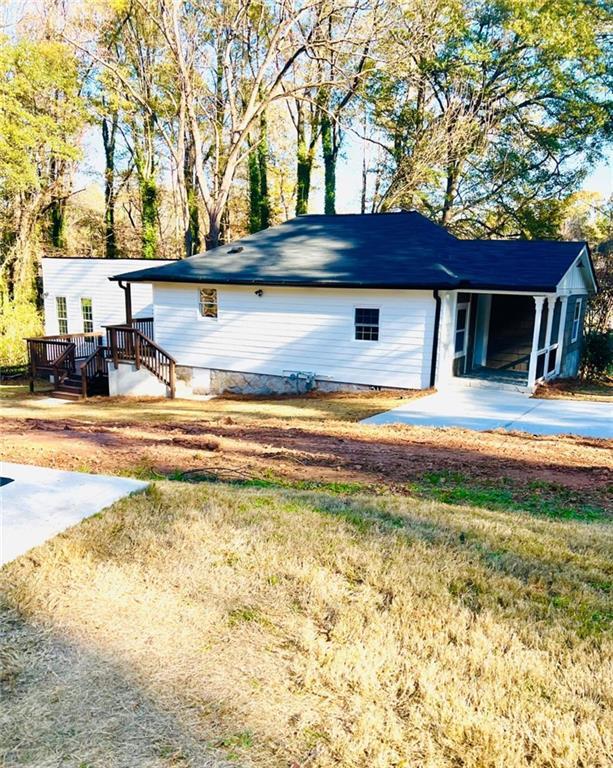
[551, 305]
[563, 304]
[538, 301]
[446, 338]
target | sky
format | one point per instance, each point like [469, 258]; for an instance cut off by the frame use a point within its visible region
[349, 174]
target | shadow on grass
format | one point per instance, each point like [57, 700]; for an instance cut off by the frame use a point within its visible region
[558, 568]
[560, 585]
[65, 702]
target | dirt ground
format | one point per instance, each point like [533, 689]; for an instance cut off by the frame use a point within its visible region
[231, 440]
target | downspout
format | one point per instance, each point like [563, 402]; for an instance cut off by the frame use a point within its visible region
[127, 288]
[437, 322]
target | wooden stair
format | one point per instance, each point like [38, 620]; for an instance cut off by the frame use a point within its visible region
[79, 363]
[68, 389]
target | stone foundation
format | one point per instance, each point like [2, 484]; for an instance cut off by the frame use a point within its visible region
[237, 383]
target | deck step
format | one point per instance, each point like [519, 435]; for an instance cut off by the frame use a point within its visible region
[506, 386]
[64, 387]
[61, 394]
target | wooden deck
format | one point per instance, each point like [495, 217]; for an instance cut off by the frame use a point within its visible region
[79, 363]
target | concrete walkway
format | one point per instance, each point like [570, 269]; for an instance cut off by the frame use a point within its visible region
[482, 409]
[39, 503]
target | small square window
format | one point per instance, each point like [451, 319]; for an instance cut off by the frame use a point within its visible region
[62, 314]
[207, 305]
[87, 313]
[366, 324]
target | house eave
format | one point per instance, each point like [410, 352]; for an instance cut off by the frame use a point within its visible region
[449, 285]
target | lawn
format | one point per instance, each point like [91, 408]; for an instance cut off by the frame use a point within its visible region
[201, 624]
[358, 597]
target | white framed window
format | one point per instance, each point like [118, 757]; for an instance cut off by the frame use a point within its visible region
[207, 302]
[62, 314]
[366, 324]
[461, 329]
[87, 313]
[576, 321]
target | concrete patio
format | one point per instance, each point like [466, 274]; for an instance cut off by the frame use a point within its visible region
[483, 409]
[37, 503]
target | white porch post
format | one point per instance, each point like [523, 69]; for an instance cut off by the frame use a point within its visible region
[551, 305]
[538, 301]
[444, 372]
[563, 304]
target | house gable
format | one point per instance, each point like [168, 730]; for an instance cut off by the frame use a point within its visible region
[579, 278]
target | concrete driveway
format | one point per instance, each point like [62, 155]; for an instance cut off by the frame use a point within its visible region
[482, 409]
[37, 503]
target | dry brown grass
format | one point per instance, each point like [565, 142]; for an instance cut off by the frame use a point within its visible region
[17, 403]
[575, 389]
[274, 628]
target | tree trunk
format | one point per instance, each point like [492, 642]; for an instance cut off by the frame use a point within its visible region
[144, 161]
[57, 208]
[193, 242]
[255, 190]
[305, 154]
[263, 165]
[108, 138]
[450, 193]
[329, 154]
[213, 237]
[149, 216]
[259, 206]
[57, 214]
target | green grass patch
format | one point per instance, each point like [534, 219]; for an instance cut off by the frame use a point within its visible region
[538, 497]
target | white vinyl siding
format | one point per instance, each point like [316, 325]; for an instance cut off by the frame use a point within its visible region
[77, 279]
[300, 329]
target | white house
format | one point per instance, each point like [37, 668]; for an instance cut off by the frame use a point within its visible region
[334, 302]
[79, 297]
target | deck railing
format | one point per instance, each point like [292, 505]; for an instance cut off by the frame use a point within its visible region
[85, 343]
[127, 343]
[51, 356]
[144, 325]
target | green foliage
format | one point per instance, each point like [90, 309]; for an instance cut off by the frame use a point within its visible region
[597, 360]
[493, 111]
[149, 217]
[19, 319]
[40, 112]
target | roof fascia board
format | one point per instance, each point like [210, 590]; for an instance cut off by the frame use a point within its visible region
[450, 286]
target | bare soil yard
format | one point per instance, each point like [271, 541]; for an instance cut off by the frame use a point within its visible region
[312, 439]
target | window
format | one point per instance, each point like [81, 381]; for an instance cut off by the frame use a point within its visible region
[62, 314]
[87, 313]
[461, 330]
[366, 324]
[576, 321]
[207, 304]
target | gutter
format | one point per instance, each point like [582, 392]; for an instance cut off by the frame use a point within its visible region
[437, 322]
[451, 285]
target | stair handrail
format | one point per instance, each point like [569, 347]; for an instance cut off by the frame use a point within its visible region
[98, 358]
[140, 350]
[58, 363]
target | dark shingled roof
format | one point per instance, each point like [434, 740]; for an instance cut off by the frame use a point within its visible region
[392, 250]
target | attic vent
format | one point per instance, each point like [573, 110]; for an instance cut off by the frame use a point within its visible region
[236, 249]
